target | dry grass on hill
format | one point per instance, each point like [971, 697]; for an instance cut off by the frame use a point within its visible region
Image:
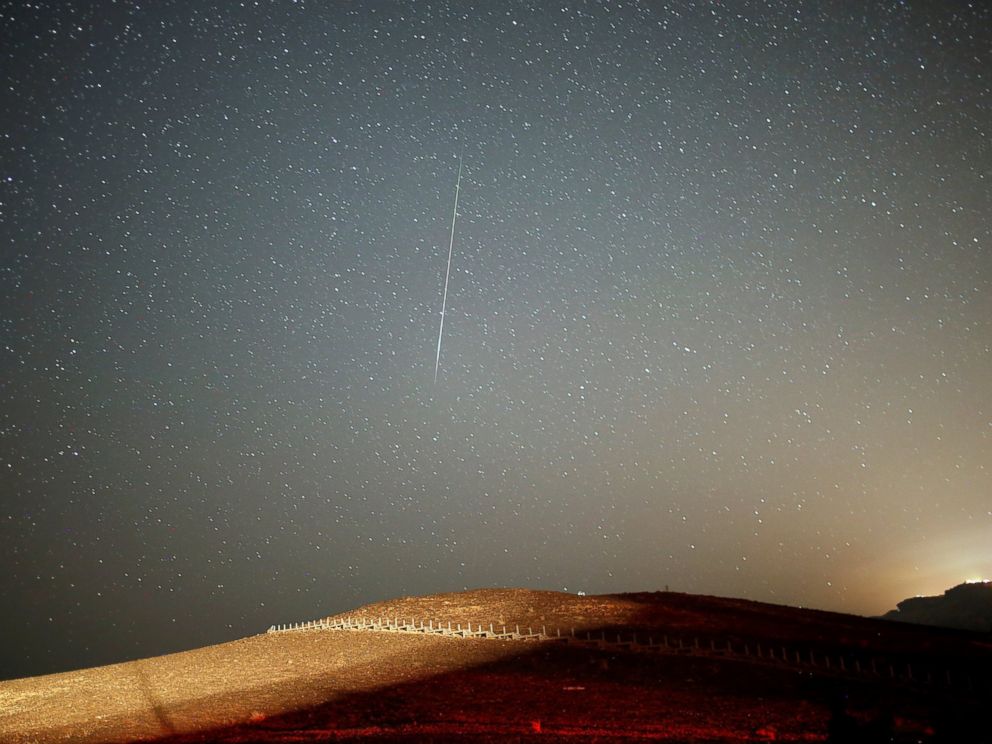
[219, 686]
[341, 685]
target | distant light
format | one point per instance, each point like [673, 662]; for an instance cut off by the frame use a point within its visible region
[978, 581]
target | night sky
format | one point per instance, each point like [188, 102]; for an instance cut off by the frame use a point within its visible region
[719, 314]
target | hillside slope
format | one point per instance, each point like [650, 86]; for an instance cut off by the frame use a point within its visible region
[341, 685]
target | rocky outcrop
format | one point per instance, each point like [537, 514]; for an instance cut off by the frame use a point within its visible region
[966, 606]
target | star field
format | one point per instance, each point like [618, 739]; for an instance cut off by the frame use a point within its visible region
[719, 317]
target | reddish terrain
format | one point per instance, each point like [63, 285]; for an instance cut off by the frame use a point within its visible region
[338, 685]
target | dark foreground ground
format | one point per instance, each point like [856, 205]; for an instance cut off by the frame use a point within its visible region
[328, 685]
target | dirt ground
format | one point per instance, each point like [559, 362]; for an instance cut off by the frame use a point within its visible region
[253, 678]
[347, 685]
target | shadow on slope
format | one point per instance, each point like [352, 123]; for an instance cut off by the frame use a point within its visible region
[549, 691]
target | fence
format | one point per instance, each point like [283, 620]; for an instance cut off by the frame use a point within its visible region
[852, 664]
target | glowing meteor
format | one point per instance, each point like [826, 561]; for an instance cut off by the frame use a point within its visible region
[447, 274]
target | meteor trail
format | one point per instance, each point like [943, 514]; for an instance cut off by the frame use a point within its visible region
[451, 245]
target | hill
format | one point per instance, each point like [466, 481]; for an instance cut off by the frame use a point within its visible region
[965, 606]
[659, 666]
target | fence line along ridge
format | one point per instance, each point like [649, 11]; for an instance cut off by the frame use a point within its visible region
[837, 663]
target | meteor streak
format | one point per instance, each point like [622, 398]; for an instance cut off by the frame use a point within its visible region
[447, 274]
